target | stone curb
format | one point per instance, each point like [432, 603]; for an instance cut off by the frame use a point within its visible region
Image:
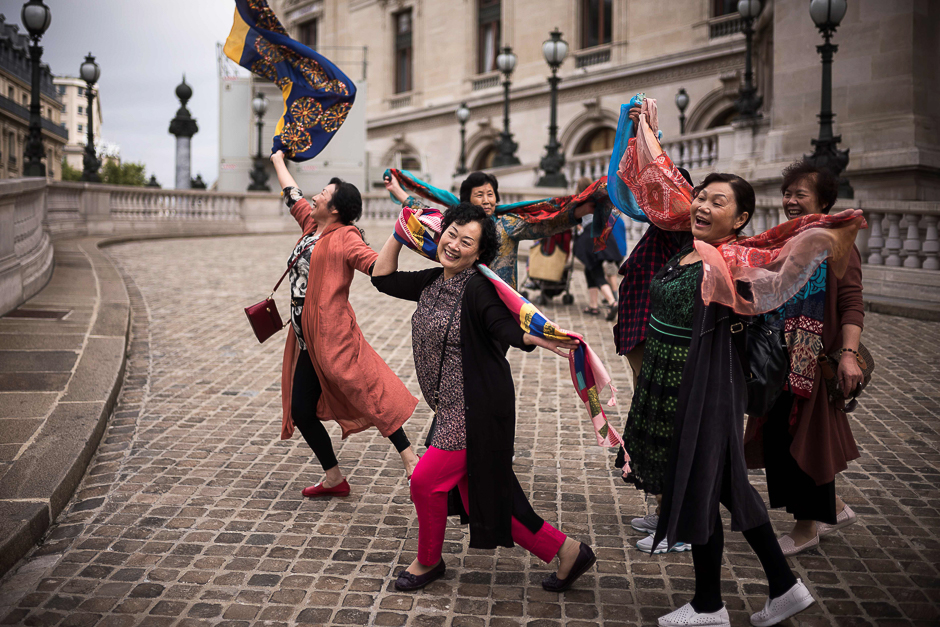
[40, 483]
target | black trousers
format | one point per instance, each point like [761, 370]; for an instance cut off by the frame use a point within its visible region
[787, 485]
[706, 560]
[595, 276]
[305, 394]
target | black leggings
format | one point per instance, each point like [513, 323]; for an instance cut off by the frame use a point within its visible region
[305, 393]
[706, 559]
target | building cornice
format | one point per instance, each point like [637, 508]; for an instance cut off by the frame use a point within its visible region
[711, 60]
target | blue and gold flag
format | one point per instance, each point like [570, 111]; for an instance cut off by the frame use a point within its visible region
[317, 95]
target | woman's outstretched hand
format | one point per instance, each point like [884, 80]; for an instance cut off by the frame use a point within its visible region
[278, 157]
[559, 347]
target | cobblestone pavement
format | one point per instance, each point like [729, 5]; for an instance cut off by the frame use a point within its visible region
[191, 511]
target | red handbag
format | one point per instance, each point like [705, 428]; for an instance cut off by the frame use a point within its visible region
[263, 317]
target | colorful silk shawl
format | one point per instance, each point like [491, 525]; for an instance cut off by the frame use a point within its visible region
[317, 95]
[619, 193]
[804, 315]
[751, 275]
[532, 211]
[588, 374]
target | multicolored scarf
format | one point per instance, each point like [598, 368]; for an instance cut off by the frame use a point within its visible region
[804, 315]
[620, 194]
[317, 95]
[532, 211]
[588, 374]
[751, 275]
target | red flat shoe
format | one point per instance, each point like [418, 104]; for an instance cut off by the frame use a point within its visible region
[340, 489]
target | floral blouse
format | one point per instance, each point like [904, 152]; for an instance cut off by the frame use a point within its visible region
[300, 270]
[428, 327]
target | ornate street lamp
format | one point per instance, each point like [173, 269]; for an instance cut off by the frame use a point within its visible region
[463, 114]
[555, 50]
[259, 178]
[506, 150]
[682, 101]
[36, 17]
[748, 101]
[90, 72]
[826, 15]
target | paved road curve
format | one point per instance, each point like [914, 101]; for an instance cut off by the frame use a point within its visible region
[191, 511]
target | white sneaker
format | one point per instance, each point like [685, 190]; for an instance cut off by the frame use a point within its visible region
[783, 607]
[646, 545]
[647, 524]
[686, 615]
[845, 518]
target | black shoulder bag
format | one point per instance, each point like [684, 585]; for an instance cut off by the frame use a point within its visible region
[440, 368]
[764, 358]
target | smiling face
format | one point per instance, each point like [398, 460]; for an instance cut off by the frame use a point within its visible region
[800, 199]
[485, 197]
[713, 213]
[320, 205]
[459, 247]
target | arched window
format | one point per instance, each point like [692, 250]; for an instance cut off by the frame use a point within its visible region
[408, 161]
[598, 140]
[484, 158]
[724, 118]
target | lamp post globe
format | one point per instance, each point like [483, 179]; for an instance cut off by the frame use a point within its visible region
[827, 14]
[259, 104]
[506, 60]
[749, 9]
[554, 49]
[36, 17]
[506, 148]
[90, 72]
[463, 114]
[682, 101]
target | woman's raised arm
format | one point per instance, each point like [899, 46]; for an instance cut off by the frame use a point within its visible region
[284, 178]
[387, 262]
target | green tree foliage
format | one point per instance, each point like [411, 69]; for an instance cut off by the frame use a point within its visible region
[114, 173]
[69, 173]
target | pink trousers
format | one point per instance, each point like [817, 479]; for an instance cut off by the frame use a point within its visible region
[436, 474]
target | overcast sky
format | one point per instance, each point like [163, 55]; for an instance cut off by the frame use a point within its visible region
[143, 48]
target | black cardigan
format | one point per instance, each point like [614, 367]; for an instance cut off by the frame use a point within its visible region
[487, 330]
[707, 459]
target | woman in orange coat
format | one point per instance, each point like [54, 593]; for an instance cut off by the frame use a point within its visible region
[330, 372]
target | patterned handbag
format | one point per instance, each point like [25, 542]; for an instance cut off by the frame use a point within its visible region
[263, 317]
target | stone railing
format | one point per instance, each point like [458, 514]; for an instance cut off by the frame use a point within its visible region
[903, 234]
[25, 247]
[592, 165]
[694, 150]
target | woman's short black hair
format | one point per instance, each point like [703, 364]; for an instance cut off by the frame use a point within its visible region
[464, 213]
[744, 199]
[477, 179]
[822, 179]
[346, 200]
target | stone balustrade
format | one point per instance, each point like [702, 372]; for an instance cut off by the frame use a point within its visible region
[694, 150]
[25, 247]
[592, 165]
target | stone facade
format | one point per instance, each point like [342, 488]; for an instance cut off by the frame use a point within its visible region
[15, 86]
[886, 95]
[75, 117]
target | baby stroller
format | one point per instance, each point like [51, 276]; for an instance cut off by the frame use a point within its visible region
[549, 269]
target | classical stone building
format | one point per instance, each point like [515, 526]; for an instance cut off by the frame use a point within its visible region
[425, 57]
[75, 117]
[15, 82]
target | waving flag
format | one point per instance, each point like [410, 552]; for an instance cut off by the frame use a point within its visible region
[317, 95]
[588, 374]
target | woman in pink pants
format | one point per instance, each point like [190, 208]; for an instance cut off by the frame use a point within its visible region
[461, 331]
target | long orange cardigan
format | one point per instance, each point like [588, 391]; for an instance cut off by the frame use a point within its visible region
[359, 389]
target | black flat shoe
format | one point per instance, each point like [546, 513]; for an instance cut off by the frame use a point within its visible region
[585, 560]
[407, 582]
